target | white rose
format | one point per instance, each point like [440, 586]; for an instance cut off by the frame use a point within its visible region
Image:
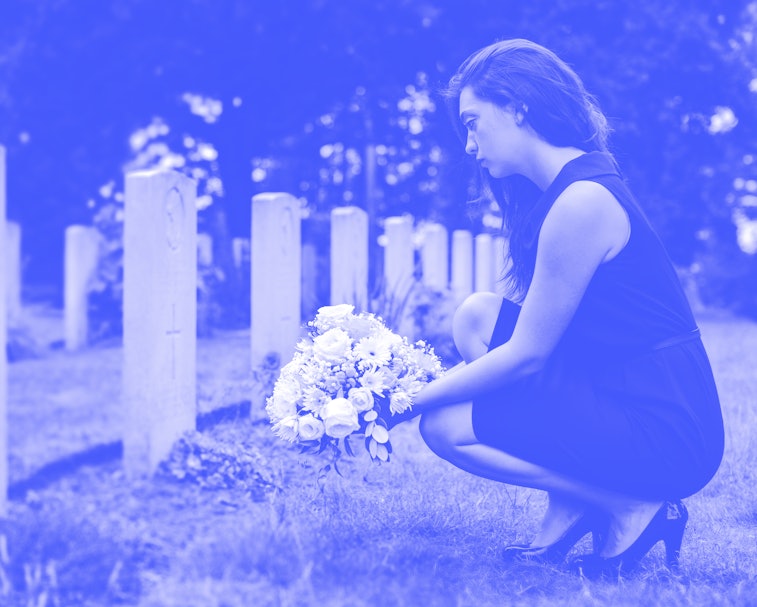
[332, 316]
[339, 418]
[361, 399]
[399, 402]
[311, 428]
[287, 428]
[334, 345]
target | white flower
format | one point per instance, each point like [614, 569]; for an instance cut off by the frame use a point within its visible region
[399, 402]
[333, 346]
[376, 380]
[329, 317]
[287, 428]
[373, 351]
[425, 361]
[410, 385]
[339, 418]
[283, 402]
[361, 326]
[314, 399]
[310, 428]
[361, 399]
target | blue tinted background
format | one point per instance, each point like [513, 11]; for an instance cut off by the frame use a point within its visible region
[79, 78]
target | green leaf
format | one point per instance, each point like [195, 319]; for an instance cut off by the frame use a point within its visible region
[370, 415]
[380, 434]
[373, 448]
[382, 453]
[369, 429]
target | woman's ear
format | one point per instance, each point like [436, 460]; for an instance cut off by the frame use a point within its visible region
[520, 114]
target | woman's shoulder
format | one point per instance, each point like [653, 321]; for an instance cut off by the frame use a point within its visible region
[588, 210]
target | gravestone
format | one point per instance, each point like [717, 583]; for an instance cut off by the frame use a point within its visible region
[240, 250]
[275, 279]
[80, 263]
[310, 280]
[501, 265]
[204, 250]
[13, 272]
[160, 315]
[349, 257]
[435, 257]
[3, 355]
[484, 260]
[462, 264]
[399, 254]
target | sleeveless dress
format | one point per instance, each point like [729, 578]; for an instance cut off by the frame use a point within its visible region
[627, 400]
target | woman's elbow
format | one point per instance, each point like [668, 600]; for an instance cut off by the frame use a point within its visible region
[534, 363]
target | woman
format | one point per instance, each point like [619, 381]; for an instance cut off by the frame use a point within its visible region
[596, 388]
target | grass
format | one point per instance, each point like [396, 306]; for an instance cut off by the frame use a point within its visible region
[237, 517]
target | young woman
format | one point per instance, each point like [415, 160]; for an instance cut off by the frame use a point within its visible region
[595, 387]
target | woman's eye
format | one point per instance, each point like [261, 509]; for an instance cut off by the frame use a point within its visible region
[469, 125]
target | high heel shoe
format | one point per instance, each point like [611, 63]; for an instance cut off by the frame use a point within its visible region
[555, 552]
[667, 525]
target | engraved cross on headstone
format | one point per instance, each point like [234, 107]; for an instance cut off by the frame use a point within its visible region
[173, 332]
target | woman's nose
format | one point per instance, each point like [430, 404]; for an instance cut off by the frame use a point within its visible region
[470, 145]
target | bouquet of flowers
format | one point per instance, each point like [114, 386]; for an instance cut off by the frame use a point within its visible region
[346, 378]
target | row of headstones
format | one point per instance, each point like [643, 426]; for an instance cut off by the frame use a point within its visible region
[160, 303]
[476, 263]
[81, 257]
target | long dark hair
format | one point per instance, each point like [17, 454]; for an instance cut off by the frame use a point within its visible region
[555, 104]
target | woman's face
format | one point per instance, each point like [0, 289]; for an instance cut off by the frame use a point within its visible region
[494, 137]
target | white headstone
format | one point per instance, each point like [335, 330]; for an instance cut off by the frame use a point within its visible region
[13, 269]
[80, 263]
[462, 264]
[310, 278]
[3, 356]
[160, 315]
[435, 256]
[204, 250]
[399, 262]
[484, 278]
[276, 274]
[349, 257]
[240, 250]
[501, 265]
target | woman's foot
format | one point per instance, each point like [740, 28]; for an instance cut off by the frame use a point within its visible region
[560, 517]
[667, 524]
[564, 524]
[626, 525]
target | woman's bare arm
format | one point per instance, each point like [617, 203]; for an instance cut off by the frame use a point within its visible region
[585, 226]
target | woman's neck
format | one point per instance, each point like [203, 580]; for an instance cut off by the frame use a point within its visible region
[548, 161]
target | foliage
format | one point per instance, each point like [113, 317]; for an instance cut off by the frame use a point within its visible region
[676, 78]
[199, 459]
[51, 556]
[154, 147]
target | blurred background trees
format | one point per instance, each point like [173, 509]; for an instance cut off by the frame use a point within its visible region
[337, 102]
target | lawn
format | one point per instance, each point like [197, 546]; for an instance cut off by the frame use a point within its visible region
[238, 518]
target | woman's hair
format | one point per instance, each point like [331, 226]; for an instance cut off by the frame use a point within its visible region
[554, 102]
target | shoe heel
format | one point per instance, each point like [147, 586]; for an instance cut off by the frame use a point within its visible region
[674, 537]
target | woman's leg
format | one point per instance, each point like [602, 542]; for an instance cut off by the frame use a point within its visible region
[448, 431]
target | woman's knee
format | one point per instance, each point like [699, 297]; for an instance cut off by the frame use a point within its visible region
[473, 324]
[446, 428]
